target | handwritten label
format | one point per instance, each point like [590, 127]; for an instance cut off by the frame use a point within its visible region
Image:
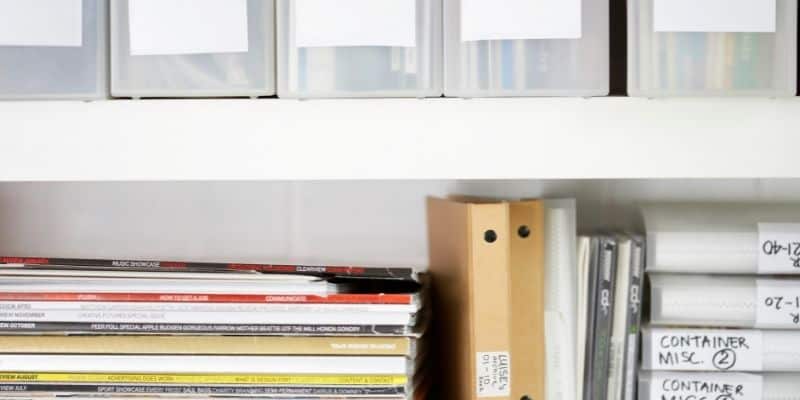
[493, 374]
[777, 304]
[706, 386]
[704, 350]
[778, 248]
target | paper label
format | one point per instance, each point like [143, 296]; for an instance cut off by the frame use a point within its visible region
[706, 386]
[53, 23]
[777, 304]
[174, 27]
[340, 23]
[520, 19]
[493, 373]
[715, 15]
[778, 248]
[706, 350]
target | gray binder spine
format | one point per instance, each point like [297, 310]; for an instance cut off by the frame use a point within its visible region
[604, 315]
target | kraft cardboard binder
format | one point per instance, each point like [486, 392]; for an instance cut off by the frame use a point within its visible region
[486, 260]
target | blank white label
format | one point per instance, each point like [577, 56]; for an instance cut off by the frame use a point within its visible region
[715, 15]
[169, 27]
[340, 23]
[520, 19]
[711, 386]
[778, 248]
[704, 350]
[54, 23]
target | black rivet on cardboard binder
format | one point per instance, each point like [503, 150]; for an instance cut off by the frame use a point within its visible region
[524, 231]
[526, 397]
[490, 236]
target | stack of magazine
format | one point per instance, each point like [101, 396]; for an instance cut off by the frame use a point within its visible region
[115, 329]
[725, 302]
[610, 277]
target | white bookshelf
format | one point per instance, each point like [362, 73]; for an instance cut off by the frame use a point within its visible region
[272, 139]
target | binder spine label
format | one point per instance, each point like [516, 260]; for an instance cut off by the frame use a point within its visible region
[777, 304]
[493, 374]
[706, 386]
[778, 248]
[704, 350]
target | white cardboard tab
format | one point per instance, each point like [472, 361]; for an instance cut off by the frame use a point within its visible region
[778, 248]
[174, 27]
[715, 15]
[520, 19]
[53, 23]
[340, 23]
[704, 350]
[710, 385]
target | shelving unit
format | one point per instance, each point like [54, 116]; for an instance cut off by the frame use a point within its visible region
[345, 182]
[271, 139]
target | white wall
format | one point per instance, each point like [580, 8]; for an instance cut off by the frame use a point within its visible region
[378, 223]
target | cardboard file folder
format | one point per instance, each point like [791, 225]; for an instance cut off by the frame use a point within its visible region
[487, 266]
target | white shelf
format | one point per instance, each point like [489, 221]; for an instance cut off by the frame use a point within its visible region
[272, 139]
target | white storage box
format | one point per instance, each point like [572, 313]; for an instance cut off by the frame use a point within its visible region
[526, 48]
[719, 238]
[726, 48]
[192, 48]
[359, 48]
[53, 49]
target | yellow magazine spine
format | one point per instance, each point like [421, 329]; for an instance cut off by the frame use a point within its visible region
[205, 345]
[205, 379]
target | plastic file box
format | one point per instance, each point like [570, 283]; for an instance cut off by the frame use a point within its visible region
[716, 238]
[659, 385]
[215, 48]
[674, 57]
[56, 49]
[537, 59]
[359, 48]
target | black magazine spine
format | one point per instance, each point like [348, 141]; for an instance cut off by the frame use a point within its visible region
[604, 315]
[322, 271]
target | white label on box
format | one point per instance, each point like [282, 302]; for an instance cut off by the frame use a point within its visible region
[778, 248]
[493, 373]
[341, 23]
[520, 19]
[711, 386]
[53, 23]
[706, 350]
[174, 27]
[715, 15]
[777, 304]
